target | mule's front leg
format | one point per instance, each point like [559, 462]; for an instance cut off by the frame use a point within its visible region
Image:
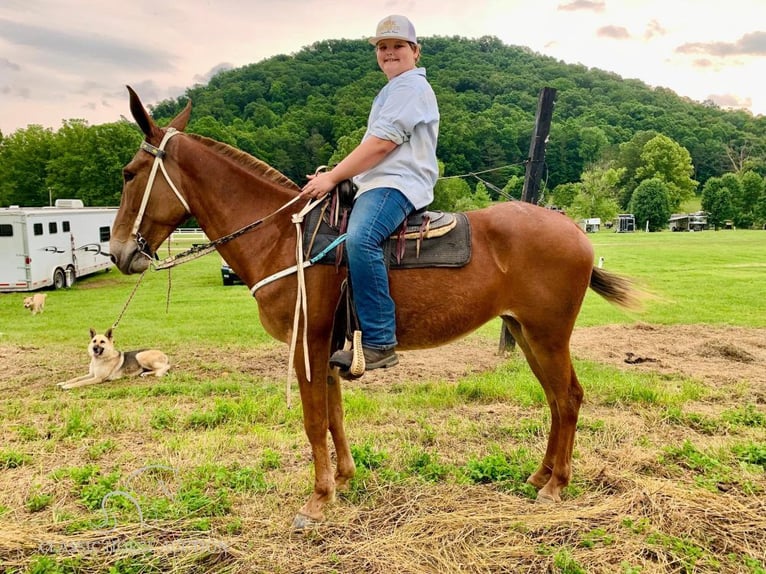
[315, 422]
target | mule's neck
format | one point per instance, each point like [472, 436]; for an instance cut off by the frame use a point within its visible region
[224, 196]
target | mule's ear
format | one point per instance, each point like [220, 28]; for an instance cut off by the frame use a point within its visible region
[92, 332]
[179, 122]
[142, 118]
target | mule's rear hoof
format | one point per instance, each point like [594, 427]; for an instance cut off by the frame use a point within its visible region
[303, 523]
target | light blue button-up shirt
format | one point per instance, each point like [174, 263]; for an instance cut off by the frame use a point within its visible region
[405, 112]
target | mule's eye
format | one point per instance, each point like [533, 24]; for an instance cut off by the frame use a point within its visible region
[127, 175]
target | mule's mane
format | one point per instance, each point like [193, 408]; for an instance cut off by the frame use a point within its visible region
[247, 161]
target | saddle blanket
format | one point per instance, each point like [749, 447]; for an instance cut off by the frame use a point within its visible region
[453, 249]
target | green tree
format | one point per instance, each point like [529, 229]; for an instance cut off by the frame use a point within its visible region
[24, 157]
[751, 186]
[476, 200]
[717, 202]
[596, 194]
[448, 191]
[564, 195]
[629, 158]
[513, 187]
[651, 205]
[664, 159]
[760, 210]
[87, 161]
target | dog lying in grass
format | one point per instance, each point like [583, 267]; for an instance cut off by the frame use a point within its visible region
[108, 364]
[35, 303]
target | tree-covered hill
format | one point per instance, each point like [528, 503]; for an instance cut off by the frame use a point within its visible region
[309, 108]
[291, 111]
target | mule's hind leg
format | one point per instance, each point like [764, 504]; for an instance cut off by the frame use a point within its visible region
[548, 357]
[345, 468]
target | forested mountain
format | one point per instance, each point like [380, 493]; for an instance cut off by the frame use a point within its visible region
[307, 109]
[291, 111]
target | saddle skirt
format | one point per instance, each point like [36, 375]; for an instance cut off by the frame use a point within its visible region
[426, 239]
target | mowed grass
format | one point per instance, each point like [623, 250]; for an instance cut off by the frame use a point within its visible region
[713, 277]
[203, 470]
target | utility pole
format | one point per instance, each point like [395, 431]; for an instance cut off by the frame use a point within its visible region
[533, 176]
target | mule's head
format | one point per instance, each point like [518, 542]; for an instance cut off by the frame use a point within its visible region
[150, 208]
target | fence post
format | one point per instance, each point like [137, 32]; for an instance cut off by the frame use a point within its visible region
[533, 175]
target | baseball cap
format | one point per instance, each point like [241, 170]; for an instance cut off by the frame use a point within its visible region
[394, 27]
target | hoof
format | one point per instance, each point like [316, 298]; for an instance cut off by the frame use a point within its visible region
[545, 498]
[302, 523]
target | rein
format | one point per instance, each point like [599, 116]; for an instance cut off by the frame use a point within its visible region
[200, 250]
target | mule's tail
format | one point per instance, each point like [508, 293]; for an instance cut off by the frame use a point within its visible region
[615, 288]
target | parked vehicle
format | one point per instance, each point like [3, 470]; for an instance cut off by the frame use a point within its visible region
[53, 246]
[228, 275]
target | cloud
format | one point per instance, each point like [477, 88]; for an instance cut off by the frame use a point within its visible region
[752, 44]
[654, 29]
[614, 32]
[6, 64]
[580, 5]
[76, 49]
[215, 70]
[730, 101]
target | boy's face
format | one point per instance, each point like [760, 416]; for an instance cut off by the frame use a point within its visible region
[395, 57]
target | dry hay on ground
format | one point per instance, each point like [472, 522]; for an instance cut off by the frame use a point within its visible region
[626, 500]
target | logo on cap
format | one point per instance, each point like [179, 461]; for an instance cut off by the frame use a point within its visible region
[389, 26]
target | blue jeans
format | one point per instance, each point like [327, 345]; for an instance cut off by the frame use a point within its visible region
[377, 213]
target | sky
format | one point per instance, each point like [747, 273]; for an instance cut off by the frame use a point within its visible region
[71, 59]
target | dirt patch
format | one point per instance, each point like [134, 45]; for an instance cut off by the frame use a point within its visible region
[713, 354]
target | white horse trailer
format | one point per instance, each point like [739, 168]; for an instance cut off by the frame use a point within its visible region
[53, 246]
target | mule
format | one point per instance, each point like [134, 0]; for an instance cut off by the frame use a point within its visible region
[529, 265]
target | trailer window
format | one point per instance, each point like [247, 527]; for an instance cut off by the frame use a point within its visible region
[65, 226]
[37, 229]
[6, 230]
[104, 233]
[53, 227]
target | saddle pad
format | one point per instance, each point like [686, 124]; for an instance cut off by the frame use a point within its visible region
[452, 249]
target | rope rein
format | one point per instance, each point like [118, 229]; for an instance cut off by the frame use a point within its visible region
[130, 298]
[200, 250]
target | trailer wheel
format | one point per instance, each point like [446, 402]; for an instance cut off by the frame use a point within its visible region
[72, 275]
[59, 279]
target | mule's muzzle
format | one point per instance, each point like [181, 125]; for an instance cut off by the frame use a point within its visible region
[128, 258]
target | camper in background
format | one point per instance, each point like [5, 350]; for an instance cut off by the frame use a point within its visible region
[53, 246]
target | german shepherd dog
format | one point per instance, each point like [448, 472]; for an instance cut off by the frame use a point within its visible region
[108, 364]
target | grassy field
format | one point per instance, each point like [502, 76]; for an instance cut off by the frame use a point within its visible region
[203, 470]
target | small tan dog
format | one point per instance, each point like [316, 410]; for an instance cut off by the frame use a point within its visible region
[108, 364]
[35, 303]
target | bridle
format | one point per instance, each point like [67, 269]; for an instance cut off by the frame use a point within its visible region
[198, 250]
[159, 154]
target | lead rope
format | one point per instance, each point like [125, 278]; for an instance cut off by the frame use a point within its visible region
[130, 298]
[301, 303]
[167, 295]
